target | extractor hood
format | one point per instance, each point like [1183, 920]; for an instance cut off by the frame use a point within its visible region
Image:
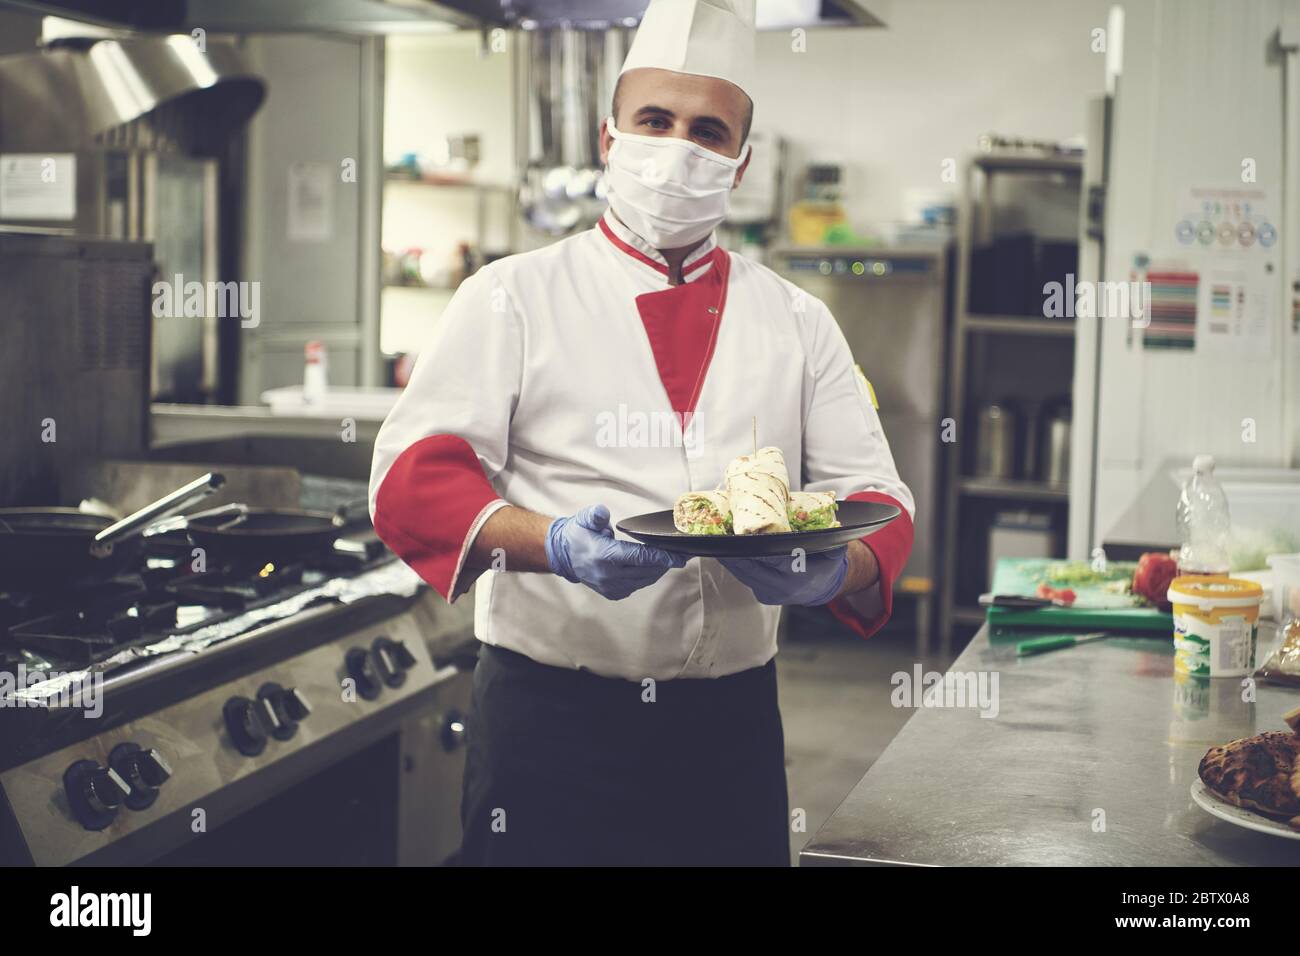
[140, 90]
[401, 16]
[770, 14]
[262, 16]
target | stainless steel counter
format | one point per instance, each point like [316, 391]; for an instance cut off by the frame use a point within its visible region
[1088, 761]
[184, 424]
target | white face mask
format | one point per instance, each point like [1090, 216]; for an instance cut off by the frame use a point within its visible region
[670, 192]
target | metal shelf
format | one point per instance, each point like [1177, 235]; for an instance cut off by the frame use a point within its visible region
[1018, 324]
[960, 490]
[1019, 162]
[1013, 489]
[418, 287]
[446, 183]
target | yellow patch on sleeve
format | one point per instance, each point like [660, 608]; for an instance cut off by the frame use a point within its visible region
[864, 386]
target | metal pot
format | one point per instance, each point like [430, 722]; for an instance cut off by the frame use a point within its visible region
[995, 448]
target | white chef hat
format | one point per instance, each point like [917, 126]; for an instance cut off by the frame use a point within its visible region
[703, 37]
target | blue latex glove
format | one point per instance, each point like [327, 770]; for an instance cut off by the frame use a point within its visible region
[583, 549]
[776, 581]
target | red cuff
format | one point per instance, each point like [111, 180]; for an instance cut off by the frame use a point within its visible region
[427, 505]
[892, 546]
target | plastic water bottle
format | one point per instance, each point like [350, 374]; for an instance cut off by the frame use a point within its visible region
[1203, 521]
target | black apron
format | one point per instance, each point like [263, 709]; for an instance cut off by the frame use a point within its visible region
[567, 768]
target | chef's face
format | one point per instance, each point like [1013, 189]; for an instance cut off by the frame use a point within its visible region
[703, 109]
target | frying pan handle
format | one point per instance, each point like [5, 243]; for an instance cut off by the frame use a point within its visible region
[343, 514]
[169, 504]
[235, 511]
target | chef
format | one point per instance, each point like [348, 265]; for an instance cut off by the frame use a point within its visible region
[625, 701]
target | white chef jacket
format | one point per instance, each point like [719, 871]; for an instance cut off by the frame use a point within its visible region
[561, 378]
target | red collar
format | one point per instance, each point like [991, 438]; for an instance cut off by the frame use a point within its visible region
[633, 246]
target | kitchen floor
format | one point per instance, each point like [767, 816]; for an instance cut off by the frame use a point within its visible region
[835, 704]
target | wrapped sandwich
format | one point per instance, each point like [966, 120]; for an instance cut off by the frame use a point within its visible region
[812, 510]
[703, 512]
[759, 488]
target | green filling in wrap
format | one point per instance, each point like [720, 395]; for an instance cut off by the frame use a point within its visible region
[703, 512]
[812, 511]
[710, 527]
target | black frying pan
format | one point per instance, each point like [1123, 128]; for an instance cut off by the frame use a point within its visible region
[47, 548]
[239, 533]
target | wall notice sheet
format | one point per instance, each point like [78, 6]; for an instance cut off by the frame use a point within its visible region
[311, 202]
[1173, 304]
[38, 186]
[1212, 284]
[1234, 309]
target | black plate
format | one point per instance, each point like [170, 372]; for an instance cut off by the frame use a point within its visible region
[857, 518]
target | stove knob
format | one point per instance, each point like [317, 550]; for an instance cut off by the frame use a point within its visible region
[388, 655]
[296, 705]
[245, 725]
[105, 789]
[405, 659]
[94, 793]
[453, 730]
[143, 770]
[361, 668]
[283, 708]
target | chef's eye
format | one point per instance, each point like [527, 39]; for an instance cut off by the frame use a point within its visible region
[656, 122]
[708, 135]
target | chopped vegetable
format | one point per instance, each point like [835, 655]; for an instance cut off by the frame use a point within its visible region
[1082, 574]
[1155, 571]
[1065, 596]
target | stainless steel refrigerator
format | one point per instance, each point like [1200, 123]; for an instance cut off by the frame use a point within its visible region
[1193, 188]
[892, 305]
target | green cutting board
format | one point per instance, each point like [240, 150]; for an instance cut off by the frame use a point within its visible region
[1021, 576]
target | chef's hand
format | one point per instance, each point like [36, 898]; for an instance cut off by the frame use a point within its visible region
[807, 580]
[582, 549]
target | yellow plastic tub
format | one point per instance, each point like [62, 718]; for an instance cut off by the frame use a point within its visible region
[1216, 621]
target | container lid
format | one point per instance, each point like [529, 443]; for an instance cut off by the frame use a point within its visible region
[1214, 590]
[1284, 562]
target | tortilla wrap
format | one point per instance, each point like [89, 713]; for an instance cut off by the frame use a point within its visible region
[759, 486]
[703, 512]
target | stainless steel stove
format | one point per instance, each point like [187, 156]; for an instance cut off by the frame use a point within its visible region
[237, 716]
[305, 712]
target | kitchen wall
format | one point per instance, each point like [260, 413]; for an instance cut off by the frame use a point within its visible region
[920, 91]
[439, 86]
[449, 84]
[892, 104]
